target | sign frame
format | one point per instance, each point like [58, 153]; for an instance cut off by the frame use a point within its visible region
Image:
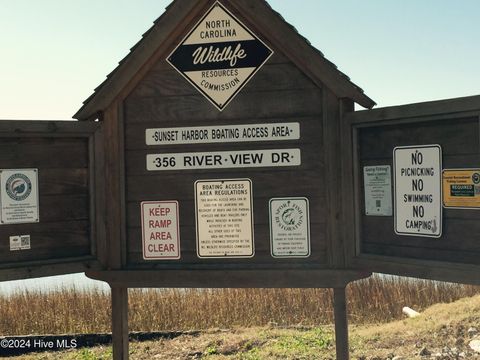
[265, 130]
[394, 254]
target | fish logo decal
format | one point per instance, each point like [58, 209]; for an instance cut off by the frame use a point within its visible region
[288, 217]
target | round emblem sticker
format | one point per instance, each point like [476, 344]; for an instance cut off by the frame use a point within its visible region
[476, 178]
[289, 216]
[18, 187]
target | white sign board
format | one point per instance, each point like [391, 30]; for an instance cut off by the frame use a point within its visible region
[418, 190]
[223, 134]
[20, 242]
[219, 56]
[224, 160]
[290, 227]
[160, 230]
[19, 196]
[224, 218]
[378, 190]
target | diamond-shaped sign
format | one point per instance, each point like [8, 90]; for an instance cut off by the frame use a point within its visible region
[219, 56]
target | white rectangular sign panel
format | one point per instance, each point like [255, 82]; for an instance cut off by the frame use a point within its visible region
[378, 190]
[223, 134]
[224, 160]
[224, 218]
[160, 230]
[20, 242]
[19, 196]
[418, 190]
[290, 227]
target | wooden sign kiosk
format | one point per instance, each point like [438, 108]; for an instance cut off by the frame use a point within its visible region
[226, 119]
[224, 151]
[433, 229]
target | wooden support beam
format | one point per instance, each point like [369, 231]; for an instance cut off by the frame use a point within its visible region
[120, 323]
[341, 323]
[228, 278]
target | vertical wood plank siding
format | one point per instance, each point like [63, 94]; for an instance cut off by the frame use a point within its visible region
[279, 92]
[64, 198]
[459, 139]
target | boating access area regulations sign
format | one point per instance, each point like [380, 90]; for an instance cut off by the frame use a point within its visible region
[224, 218]
[418, 190]
[219, 56]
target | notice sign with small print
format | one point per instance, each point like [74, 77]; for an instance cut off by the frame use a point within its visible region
[19, 196]
[219, 56]
[224, 218]
[289, 228]
[418, 190]
[20, 242]
[160, 230]
[378, 190]
[461, 188]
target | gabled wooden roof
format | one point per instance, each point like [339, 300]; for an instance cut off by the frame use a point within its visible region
[180, 16]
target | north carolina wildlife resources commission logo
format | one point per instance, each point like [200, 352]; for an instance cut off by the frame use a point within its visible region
[18, 187]
[289, 216]
[219, 56]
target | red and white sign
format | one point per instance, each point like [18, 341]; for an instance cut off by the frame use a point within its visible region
[160, 230]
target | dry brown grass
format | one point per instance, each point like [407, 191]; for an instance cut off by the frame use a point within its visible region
[378, 299]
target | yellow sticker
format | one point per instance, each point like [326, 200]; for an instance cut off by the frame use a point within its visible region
[461, 188]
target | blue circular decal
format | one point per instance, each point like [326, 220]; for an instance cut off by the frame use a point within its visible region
[18, 187]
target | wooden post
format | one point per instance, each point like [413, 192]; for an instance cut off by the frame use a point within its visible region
[120, 322]
[341, 323]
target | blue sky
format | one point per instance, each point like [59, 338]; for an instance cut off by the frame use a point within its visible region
[55, 52]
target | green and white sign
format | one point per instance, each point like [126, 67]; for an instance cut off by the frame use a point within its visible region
[290, 227]
[378, 190]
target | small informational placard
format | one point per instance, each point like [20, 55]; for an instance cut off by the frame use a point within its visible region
[20, 242]
[224, 218]
[461, 188]
[223, 134]
[19, 196]
[290, 227]
[378, 190]
[219, 56]
[418, 190]
[160, 230]
[224, 160]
